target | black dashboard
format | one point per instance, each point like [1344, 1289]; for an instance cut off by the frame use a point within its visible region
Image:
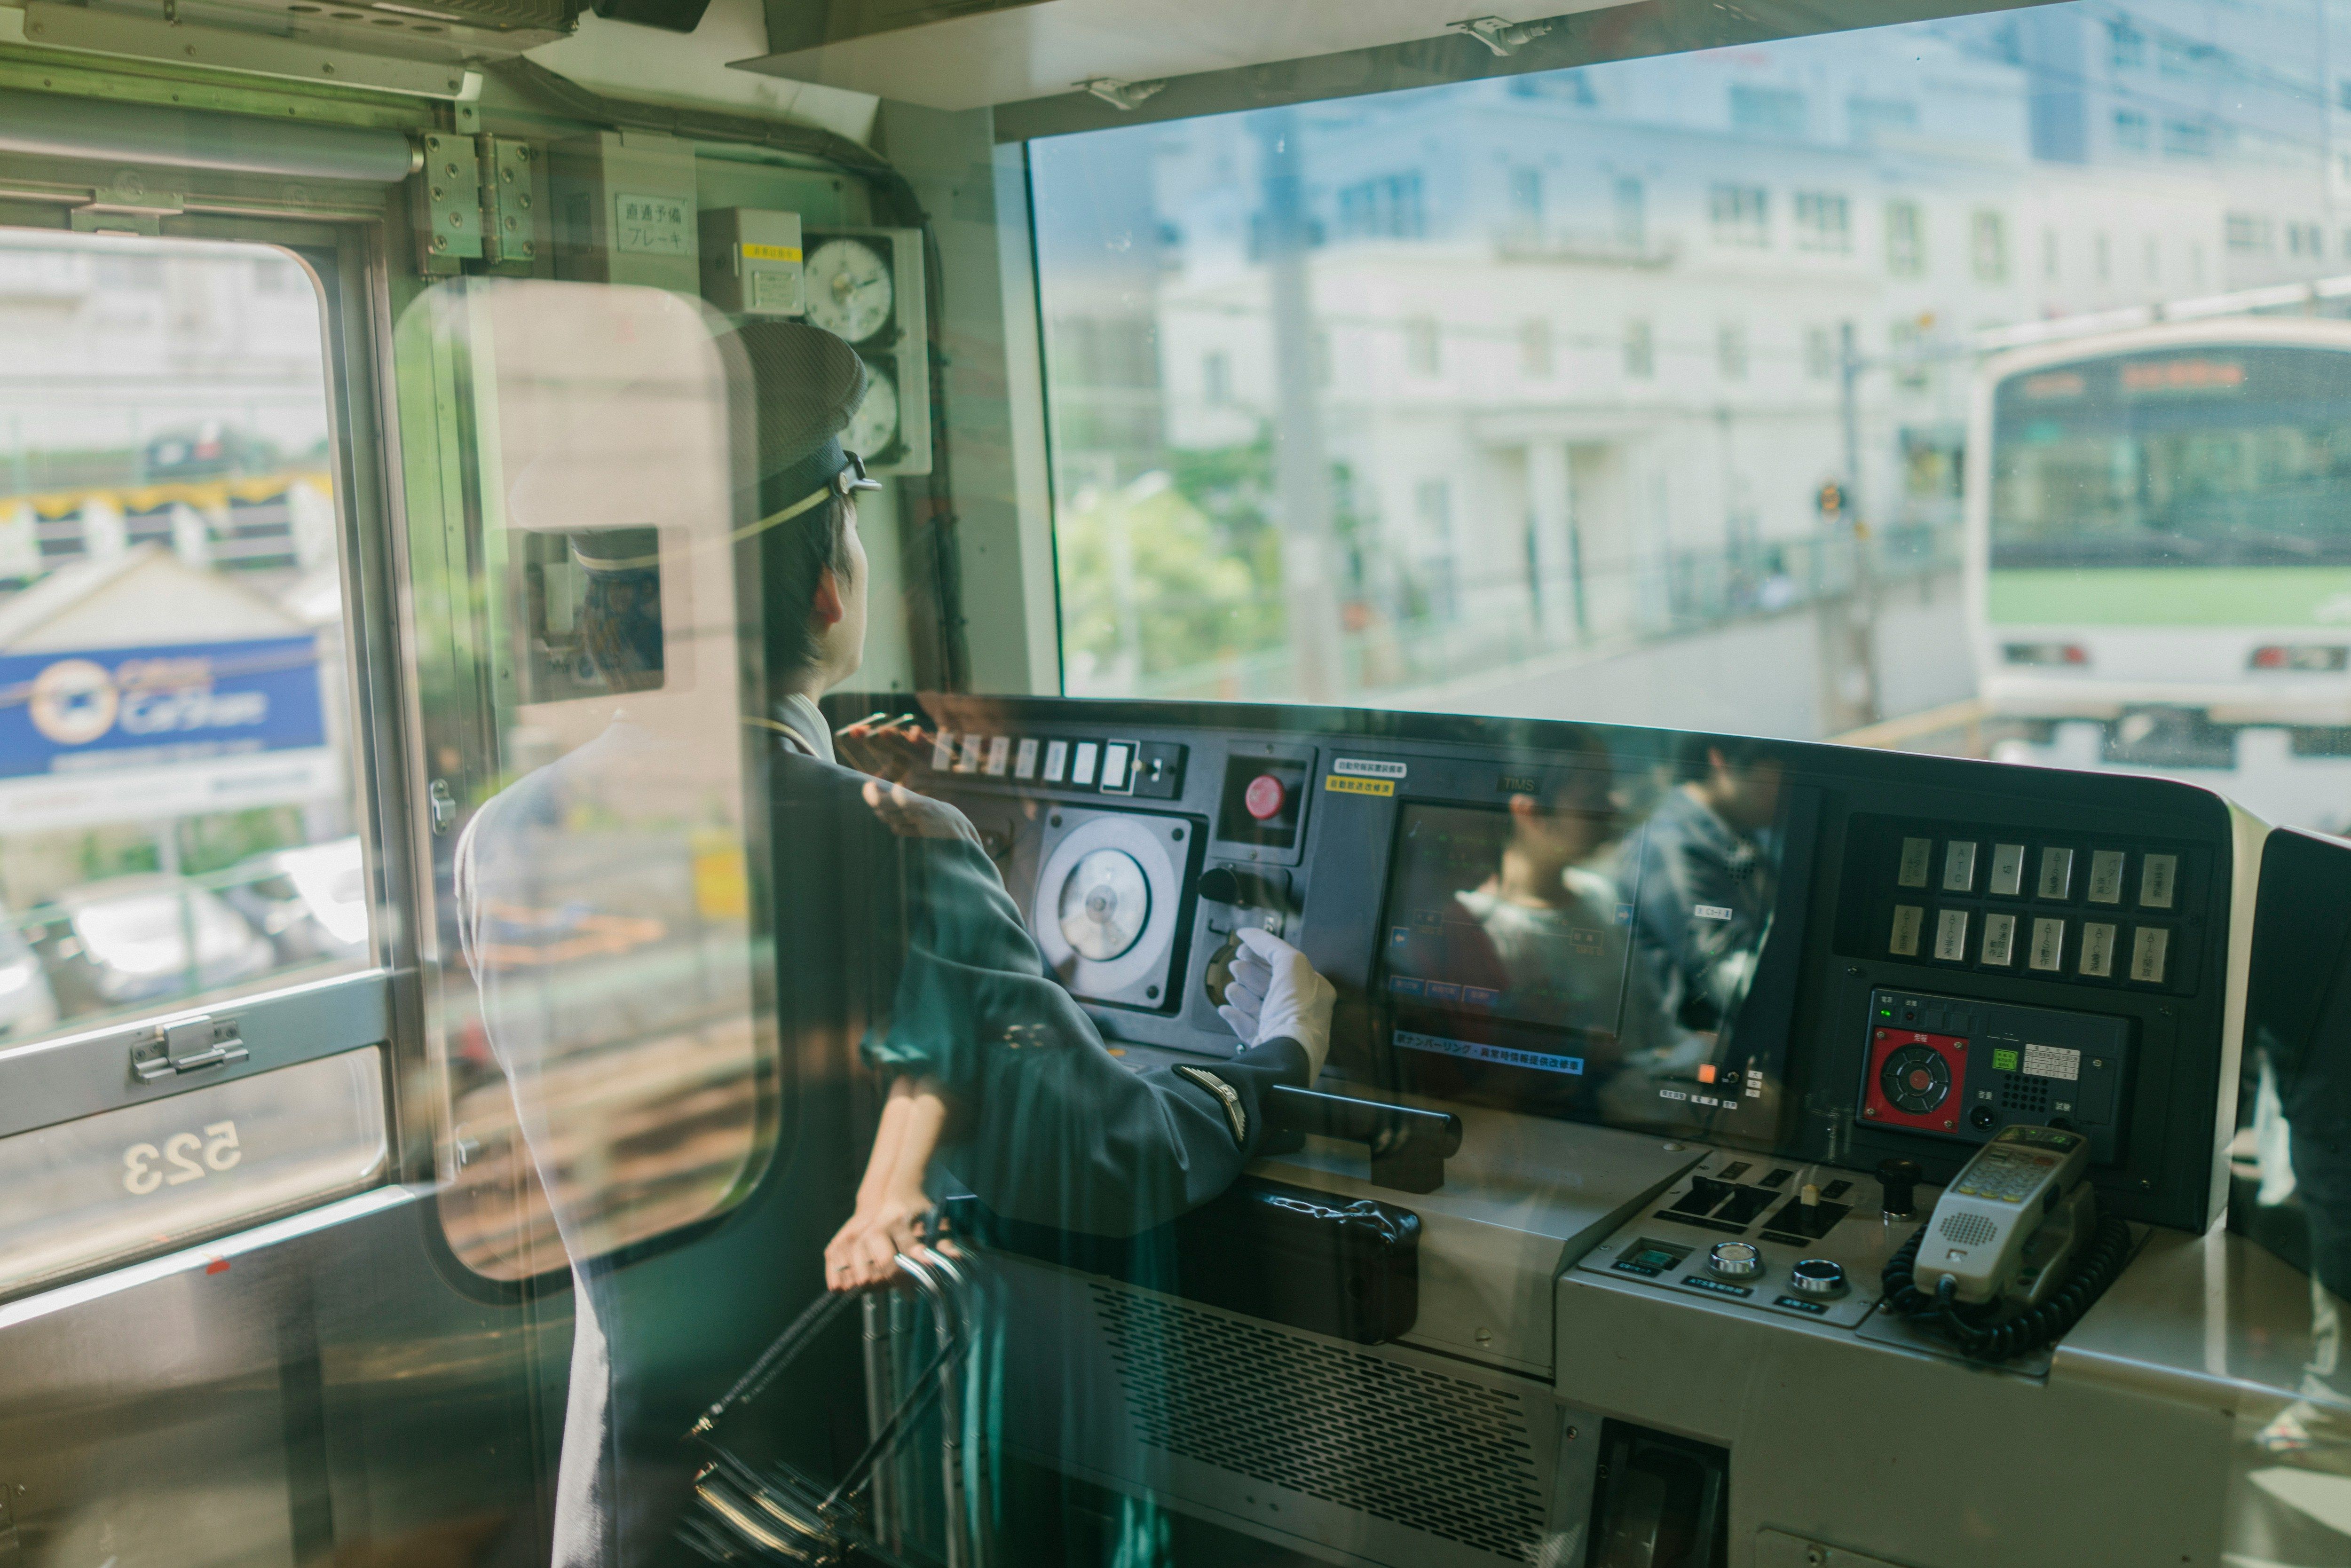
[1813, 952]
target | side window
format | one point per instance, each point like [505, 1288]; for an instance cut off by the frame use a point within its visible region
[180, 814]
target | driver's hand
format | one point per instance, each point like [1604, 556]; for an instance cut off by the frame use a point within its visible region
[1275, 993]
[888, 749]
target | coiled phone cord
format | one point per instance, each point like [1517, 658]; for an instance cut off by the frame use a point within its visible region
[1966, 1326]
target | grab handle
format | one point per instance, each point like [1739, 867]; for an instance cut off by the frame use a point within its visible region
[1409, 1146]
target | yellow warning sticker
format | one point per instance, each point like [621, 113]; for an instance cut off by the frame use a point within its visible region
[1342, 784]
[770, 252]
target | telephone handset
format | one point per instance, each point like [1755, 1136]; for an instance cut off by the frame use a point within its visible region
[2011, 1218]
[2015, 1251]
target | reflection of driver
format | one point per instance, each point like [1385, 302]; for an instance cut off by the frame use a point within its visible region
[1704, 881]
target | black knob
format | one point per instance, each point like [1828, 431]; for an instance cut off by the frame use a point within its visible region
[1897, 1178]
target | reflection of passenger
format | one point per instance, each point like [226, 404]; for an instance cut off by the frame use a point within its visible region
[1704, 881]
[1549, 919]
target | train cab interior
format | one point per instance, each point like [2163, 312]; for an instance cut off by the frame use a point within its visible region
[1559, 788]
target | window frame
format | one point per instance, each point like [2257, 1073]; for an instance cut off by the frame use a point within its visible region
[340, 245]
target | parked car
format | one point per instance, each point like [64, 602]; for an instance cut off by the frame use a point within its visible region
[28, 1006]
[208, 450]
[129, 939]
[310, 901]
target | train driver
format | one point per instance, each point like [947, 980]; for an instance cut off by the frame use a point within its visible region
[894, 926]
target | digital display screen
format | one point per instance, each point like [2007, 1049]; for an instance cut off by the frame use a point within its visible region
[1590, 948]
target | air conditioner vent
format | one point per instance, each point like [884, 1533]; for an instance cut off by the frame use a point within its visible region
[1416, 1448]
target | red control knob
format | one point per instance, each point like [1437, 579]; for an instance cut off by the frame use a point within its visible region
[1264, 797]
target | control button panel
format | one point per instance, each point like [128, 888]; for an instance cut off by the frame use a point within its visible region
[1810, 1247]
[1152, 770]
[1964, 1068]
[2080, 911]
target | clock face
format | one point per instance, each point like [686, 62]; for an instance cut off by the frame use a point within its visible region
[875, 423]
[849, 289]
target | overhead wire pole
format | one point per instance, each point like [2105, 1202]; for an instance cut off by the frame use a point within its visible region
[1848, 620]
[1302, 471]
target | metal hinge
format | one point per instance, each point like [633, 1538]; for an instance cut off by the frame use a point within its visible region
[126, 206]
[474, 201]
[185, 1045]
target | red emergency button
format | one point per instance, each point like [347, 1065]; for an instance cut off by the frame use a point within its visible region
[1264, 797]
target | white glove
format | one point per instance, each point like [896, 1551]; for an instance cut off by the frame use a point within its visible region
[1275, 994]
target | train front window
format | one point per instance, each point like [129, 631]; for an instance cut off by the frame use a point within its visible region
[180, 817]
[1642, 389]
[2225, 456]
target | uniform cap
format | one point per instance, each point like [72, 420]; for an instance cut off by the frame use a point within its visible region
[807, 385]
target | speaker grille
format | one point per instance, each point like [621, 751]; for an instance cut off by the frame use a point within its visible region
[1416, 1448]
[1968, 1230]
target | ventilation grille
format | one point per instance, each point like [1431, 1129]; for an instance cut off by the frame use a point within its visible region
[2017, 1093]
[1418, 1448]
[1967, 1229]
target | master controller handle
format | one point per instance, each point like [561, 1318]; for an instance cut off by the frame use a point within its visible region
[1897, 1178]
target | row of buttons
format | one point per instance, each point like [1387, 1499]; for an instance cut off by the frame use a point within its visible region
[1107, 767]
[2004, 869]
[2095, 942]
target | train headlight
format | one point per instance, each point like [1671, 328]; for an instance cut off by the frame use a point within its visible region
[2046, 654]
[2300, 656]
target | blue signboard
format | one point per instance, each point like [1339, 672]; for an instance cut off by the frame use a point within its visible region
[130, 707]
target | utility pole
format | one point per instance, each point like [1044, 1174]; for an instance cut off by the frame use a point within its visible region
[1301, 471]
[1847, 621]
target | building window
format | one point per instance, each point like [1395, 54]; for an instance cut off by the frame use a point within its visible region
[1824, 223]
[1640, 350]
[1534, 348]
[1568, 87]
[1420, 346]
[1907, 340]
[1632, 214]
[2130, 130]
[2176, 56]
[1216, 378]
[2247, 232]
[1867, 118]
[2304, 240]
[1988, 247]
[2187, 138]
[1774, 110]
[2125, 46]
[2342, 94]
[1731, 352]
[1820, 353]
[1742, 214]
[1386, 208]
[1906, 239]
[1527, 195]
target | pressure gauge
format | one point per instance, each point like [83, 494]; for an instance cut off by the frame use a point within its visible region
[848, 290]
[874, 426]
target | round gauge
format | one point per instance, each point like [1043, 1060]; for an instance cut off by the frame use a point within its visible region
[874, 425]
[1915, 1079]
[1104, 905]
[848, 290]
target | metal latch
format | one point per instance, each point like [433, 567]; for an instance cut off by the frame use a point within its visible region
[185, 1045]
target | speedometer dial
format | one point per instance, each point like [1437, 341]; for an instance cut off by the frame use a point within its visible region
[849, 289]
